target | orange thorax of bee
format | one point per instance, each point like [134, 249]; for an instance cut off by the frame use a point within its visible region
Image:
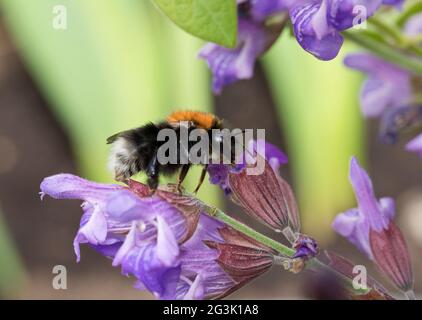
[201, 119]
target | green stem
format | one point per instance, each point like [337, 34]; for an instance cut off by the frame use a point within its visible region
[416, 39]
[386, 28]
[313, 263]
[403, 42]
[408, 12]
[393, 32]
[239, 226]
[386, 52]
[415, 49]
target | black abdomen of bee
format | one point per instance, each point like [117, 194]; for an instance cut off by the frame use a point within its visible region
[137, 150]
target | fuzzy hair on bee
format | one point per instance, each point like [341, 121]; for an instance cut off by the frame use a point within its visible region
[136, 150]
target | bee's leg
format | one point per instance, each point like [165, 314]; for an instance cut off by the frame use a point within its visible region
[152, 184]
[201, 179]
[152, 172]
[182, 176]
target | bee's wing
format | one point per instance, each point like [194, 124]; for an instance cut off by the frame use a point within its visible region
[114, 137]
[127, 133]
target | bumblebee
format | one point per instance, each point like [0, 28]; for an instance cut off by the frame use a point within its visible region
[137, 150]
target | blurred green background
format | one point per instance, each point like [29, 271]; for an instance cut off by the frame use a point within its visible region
[120, 63]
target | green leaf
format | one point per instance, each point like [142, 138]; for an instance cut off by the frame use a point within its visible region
[409, 12]
[214, 21]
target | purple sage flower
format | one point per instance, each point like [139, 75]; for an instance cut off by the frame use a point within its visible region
[164, 241]
[413, 26]
[355, 223]
[371, 229]
[140, 234]
[317, 23]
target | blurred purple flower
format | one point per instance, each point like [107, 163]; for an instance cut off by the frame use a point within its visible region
[229, 65]
[371, 229]
[387, 85]
[254, 38]
[397, 3]
[389, 93]
[415, 145]
[413, 26]
[260, 10]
